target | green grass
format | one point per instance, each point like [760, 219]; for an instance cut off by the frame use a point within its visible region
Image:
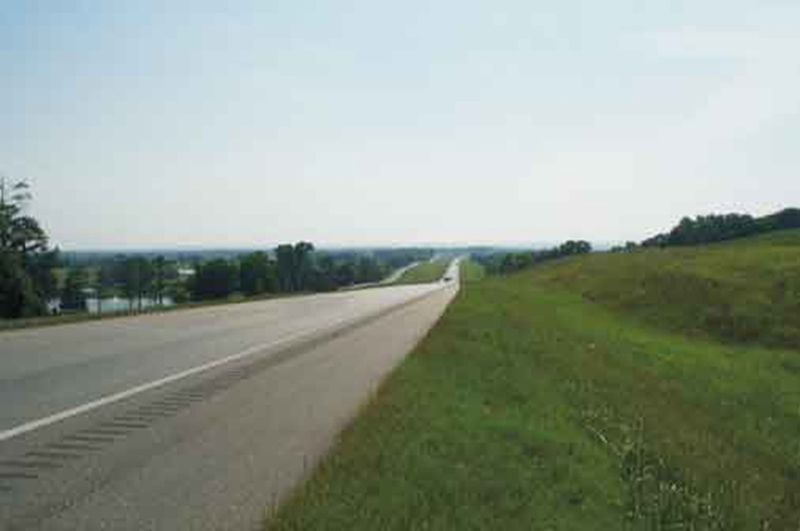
[549, 400]
[746, 291]
[472, 271]
[424, 272]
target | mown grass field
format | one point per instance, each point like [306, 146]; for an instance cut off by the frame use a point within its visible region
[580, 395]
[424, 272]
[471, 271]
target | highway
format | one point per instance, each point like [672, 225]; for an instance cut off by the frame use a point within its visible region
[391, 279]
[192, 419]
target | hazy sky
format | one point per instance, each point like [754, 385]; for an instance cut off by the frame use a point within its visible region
[372, 122]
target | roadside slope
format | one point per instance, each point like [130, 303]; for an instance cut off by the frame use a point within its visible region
[425, 272]
[747, 290]
[531, 405]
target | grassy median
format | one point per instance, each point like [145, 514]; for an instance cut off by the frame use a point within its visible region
[425, 272]
[540, 401]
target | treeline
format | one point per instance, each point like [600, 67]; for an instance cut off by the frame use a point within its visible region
[135, 278]
[26, 263]
[296, 268]
[289, 268]
[508, 262]
[717, 228]
[32, 276]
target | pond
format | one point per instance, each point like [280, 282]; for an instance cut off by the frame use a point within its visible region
[119, 304]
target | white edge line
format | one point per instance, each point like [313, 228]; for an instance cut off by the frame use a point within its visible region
[116, 397]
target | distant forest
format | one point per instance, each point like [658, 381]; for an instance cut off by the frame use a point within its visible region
[32, 275]
[690, 231]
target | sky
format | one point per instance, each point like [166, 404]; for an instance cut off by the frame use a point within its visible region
[156, 124]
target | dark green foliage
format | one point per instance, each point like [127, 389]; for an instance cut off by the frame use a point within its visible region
[159, 278]
[73, 296]
[368, 270]
[257, 274]
[717, 228]
[26, 278]
[300, 268]
[573, 247]
[40, 267]
[323, 276]
[284, 255]
[18, 296]
[303, 265]
[505, 263]
[216, 279]
[143, 275]
[785, 219]
[27, 236]
[345, 274]
[136, 278]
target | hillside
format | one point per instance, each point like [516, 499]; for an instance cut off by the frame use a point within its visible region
[746, 290]
[597, 392]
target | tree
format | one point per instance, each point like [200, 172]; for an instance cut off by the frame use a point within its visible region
[345, 274]
[18, 298]
[40, 267]
[73, 296]
[131, 279]
[368, 270]
[295, 266]
[27, 236]
[712, 228]
[284, 254]
[25, 272]
[137, 277]
[215, 279]
[256, 274]
[573, 247]
[159, 276]
[303, 265]
[105, 283]
[146, 277]
[17, 231]
[13, 197]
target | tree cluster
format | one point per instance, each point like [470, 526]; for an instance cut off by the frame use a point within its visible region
[136, 278]
[295, 268]
[26, 263]
[721, 227]
[505, 263]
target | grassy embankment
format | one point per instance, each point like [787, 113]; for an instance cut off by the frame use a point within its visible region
[654, 390]
[471, 272]
[424, 272]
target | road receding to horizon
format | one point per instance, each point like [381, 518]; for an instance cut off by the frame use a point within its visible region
[192, 420]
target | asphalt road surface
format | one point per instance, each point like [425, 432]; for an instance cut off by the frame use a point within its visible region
[196, 419]
[391, 279]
